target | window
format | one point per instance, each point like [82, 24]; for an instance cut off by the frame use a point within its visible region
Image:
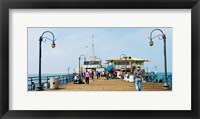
[121, 63]
[92, 62]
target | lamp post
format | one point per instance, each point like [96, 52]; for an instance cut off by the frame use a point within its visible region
[161, 37]
[53, 45]
[124, 56]
[82, 55]
[100, 61]
[68, 69]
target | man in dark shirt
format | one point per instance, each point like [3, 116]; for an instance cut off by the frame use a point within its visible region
[138, 78]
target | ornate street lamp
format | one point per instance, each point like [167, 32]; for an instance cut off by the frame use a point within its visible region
[100, 61]
[161, 37]
[122, 55]
[68, 69]
[82, 55]
[53, 45]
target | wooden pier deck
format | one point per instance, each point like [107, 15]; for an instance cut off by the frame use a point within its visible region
[109, 85]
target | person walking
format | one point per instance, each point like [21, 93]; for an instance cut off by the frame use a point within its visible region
[87, 77]
[97, 74]
[32, 86]
[92, 75]
[107, 75]
[138, 78]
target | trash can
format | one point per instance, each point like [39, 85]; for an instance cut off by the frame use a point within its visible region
[131, 78]
[54, 83]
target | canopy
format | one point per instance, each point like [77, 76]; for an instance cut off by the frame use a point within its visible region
[109, 68]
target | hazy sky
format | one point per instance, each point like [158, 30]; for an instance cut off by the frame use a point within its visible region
[109, 43]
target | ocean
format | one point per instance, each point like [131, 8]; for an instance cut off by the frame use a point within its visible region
[36, 75]
[160, 75]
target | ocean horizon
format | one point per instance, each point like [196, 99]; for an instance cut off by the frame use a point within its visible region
[160, 74]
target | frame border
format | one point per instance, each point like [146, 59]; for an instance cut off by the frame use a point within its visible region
[5, 5]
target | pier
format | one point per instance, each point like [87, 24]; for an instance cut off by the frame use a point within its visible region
[109, 85]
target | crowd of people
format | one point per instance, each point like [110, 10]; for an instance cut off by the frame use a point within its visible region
[90, 75]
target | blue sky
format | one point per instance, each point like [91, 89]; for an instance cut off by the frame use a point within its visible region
[109, 43]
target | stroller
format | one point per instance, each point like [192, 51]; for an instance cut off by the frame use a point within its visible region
[77, 79]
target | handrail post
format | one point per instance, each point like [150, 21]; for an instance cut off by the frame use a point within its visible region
[31, 84]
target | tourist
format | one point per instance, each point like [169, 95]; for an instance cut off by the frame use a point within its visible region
[87, 76]
[97, 74]
[102, 74]
[76, 79]
[138, 78]
[83, 74]
[107, 75]
[121, 74]
[115, 74]
[118, 75]
[112, 75]
[92, 75]
[32, 85]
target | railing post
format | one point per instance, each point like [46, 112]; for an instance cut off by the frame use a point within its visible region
[47, 82]
[63, 79]
[31, 84]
